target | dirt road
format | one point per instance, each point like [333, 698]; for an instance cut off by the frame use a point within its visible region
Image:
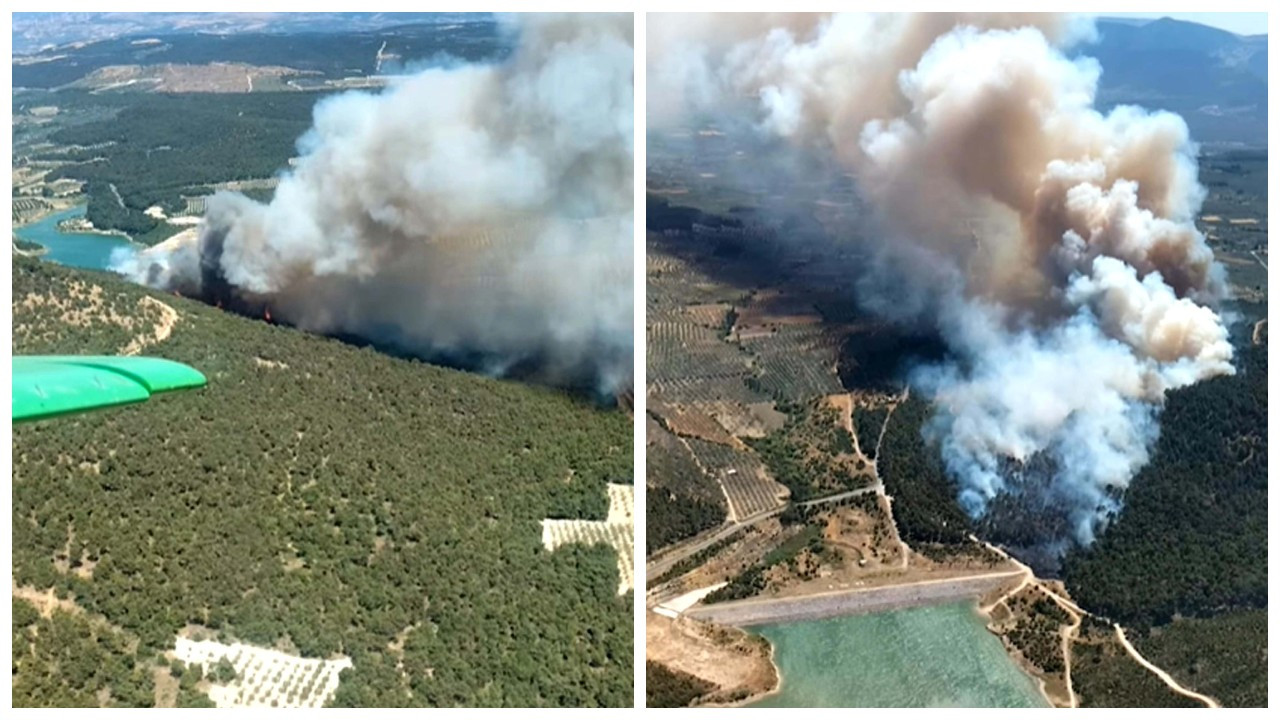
[1165, 677]
[1077, 614]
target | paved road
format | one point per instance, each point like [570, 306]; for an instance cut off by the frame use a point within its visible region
[674, 554]
[760, 611]
[841, 496]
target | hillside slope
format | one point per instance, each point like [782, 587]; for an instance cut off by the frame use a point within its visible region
[1216, 80]
[316, 497]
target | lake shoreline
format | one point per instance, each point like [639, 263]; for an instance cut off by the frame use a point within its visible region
[82, 248]
[1023, 663]
[43, 250]
[1007, 683]
[81, 226]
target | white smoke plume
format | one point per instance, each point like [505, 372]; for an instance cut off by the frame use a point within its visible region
[480, 213]
[1051, 245]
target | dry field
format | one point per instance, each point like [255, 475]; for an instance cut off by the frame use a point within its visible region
[174, 78]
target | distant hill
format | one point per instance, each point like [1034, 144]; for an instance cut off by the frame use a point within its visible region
[33, 31]
[333, 48]
[1215, 79]
[317, 497]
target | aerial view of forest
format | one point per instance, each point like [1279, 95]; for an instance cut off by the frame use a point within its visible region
[396, 487]
[811, 450]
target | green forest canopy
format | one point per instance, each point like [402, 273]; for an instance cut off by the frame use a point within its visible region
[334, 501]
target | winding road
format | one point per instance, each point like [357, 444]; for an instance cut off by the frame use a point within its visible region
[1078, 613]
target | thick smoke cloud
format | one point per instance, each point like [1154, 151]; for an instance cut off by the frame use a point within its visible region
[1051, 245]
[476, 213]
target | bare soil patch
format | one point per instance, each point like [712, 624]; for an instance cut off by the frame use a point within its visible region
[738, 664]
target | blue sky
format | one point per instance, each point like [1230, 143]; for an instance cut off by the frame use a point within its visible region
[1245, 23]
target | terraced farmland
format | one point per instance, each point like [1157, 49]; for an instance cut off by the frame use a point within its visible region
[701, 382]
[687, 350]
[747, 485]
[712, 315]
[691, 422]
[26, 208]
[730, 388]
[682, 500]
[796, 362]
[194, 205]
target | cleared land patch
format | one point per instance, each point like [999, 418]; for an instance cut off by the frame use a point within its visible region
[617, 531]
[264, 677]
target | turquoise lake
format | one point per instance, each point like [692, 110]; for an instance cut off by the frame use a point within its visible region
[939, 656]
[85, 250]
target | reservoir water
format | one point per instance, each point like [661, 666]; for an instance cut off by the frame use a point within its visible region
[85, 250]
[939, 656]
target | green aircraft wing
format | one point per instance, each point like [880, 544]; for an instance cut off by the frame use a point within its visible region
[46, 386]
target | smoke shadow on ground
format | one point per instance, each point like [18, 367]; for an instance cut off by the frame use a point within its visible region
[755, 249]
[582, 382]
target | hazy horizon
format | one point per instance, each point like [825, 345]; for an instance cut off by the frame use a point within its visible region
[1240, 23]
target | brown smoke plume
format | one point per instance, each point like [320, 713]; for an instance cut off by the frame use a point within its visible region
[480, 214]
[1052, 245]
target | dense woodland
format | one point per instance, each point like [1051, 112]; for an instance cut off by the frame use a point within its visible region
[924, 506]
[1191, 539]
[152, 149]
[681, 500]
[867, 423]
[64, 661]
[1193, 531]
[1104, 675]
[327, 497]
[1189, 542]
[676, 516]
[1224, 656]
[667, 688]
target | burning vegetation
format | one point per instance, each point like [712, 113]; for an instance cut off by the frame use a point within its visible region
[478, 215]
[1050, 246]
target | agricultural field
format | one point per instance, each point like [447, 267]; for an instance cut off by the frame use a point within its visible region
[617, 531]
[795, 363]
[730, 360]
[261, 677]
[1182, 567]
[747, 484]
[26, 209]
[333, 52]
[701, 401]
[682, 500]
[128, 123]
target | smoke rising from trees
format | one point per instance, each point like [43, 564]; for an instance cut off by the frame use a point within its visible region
[476, 213]
[1051, 245]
